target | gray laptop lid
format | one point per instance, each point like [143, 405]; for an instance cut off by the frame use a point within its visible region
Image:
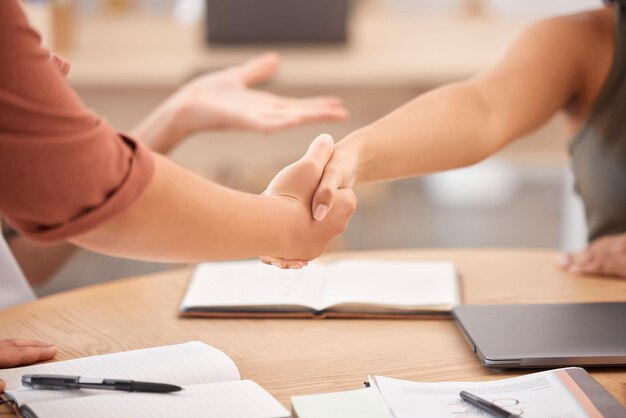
[578, 334]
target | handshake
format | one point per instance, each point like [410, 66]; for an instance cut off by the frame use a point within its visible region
[317, 188]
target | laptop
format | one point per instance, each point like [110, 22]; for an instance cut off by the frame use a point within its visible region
[549, 335]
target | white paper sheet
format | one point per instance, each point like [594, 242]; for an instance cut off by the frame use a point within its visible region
[539, 395]
[252, 283]
[182, 364]
[235, 399]
[391, 283]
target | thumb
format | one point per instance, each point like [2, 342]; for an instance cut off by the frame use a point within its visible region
[320, 151]
[260, 68]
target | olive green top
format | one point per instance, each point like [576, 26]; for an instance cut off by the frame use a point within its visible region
[599, 150]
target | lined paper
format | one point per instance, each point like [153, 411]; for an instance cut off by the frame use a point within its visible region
[233, 399]
[183, 364]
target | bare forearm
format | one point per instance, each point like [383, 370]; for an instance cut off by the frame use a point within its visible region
[160, 130]
[40, 262]
[463, 123]
[446, 128]
[182, 217]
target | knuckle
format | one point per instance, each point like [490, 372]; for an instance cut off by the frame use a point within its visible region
[325, 194]
[352, 201]
[348, 202]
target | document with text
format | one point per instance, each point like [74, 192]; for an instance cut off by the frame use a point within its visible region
[561, 393]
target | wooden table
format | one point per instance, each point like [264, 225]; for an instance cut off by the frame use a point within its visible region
[293, 357]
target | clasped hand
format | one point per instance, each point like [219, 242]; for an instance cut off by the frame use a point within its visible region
[297, 184]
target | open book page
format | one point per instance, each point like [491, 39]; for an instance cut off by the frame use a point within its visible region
[538, 395]
[235, 399]
[182, 364]
[252, 284]
[392, 284]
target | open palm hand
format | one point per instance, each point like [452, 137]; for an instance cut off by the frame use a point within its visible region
[225, 100]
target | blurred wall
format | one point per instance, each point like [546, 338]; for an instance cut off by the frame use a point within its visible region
[521, 198]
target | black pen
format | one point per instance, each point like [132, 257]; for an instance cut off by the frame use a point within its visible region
[485, 405]
[58, 382]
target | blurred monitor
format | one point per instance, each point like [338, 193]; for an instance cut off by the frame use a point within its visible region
[246, 21]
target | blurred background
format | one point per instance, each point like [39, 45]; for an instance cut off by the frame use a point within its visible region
[128, 55]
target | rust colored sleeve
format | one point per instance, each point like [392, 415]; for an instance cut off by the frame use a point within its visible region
[63, 169]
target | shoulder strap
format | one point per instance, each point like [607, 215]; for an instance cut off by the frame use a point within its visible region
[618, 69]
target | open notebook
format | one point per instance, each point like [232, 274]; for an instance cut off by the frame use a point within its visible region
[345, 288]
[211, 381]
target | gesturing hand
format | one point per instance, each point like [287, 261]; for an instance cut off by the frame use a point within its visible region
[297, 182]
[224, 100]
[604, 256]
[18, 352]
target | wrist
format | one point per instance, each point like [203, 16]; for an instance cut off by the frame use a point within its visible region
[349, 152]
[174, 111]
[160, 130]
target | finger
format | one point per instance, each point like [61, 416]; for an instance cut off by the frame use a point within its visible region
[63, 64]
[309, 102]
[24, 343]
[270, 123]
[580, 261]
[3, 385]
[283, 263]
[260, 68]
[284, 119]
[563, 260]
[324, 196]
[588, 267]
[320, 151]
[606, 264]
[289, 264]
[16, 356]
[311, 114]
[582, 257]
